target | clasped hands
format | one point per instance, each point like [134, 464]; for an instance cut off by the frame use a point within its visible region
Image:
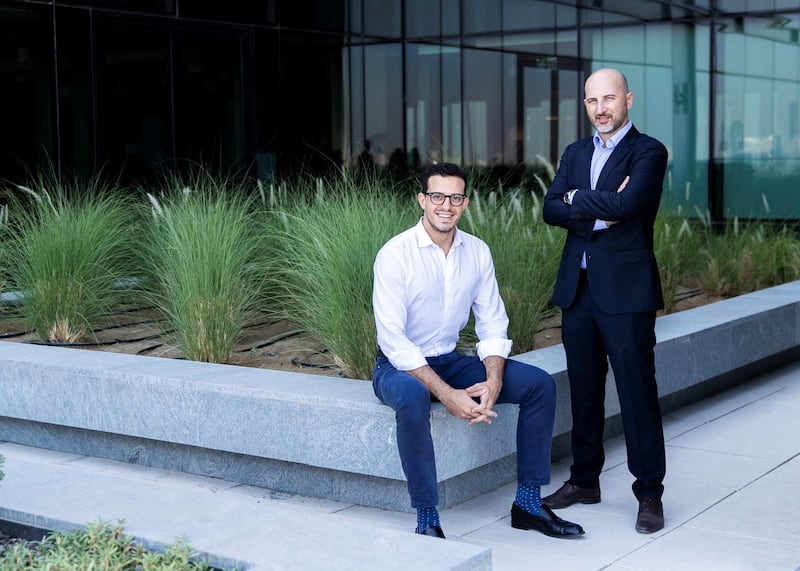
[461, 404]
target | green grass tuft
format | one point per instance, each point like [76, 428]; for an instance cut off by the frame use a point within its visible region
[204, 264]
[99, 546]
[68, 246]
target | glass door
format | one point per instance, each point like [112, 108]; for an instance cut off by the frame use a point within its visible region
[550, 109]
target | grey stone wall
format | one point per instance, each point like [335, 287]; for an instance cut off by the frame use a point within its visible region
[330, 437]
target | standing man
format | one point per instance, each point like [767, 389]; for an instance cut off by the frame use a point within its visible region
[606, 194]
[426, 281]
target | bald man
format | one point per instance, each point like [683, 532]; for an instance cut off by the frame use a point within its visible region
[606, 195]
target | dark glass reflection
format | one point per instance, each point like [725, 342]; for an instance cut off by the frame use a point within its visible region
[134, 86]
[209, 128]
[153, 6]
[26, 82]
[76, 121]
[311, 69]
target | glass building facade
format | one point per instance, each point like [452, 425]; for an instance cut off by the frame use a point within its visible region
[267, 87]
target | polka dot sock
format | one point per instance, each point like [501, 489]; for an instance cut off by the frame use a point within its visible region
[427, 517]
[529, 498]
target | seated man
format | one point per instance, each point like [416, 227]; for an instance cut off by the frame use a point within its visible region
[426, 281]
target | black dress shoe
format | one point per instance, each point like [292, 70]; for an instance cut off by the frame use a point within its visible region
[546, 521]
[569, 494]
[651, 515]
[432, 530]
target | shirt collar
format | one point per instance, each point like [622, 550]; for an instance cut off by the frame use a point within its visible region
[424, 239]
[615, 138]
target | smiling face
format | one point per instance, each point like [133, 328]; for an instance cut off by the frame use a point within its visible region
[440, 220]
[607, 101]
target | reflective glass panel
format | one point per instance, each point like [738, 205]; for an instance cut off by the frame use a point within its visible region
[244, 11]
[383, 19]
[76, 121]
[383, 106]
[153, 6]
[423, 103]
[209, 106]
[757, 158]
[311, 68]
[26, 81]
[483, 140]
[327, 15]
[134, 135]
[481, 16]
[423, 18]
[452, 134]
[528, 15]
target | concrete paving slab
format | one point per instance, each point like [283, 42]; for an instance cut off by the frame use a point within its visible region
[730, 504]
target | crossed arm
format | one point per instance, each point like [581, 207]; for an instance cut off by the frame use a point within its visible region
[640, 176]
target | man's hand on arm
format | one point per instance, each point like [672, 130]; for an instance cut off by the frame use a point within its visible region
[622, 186]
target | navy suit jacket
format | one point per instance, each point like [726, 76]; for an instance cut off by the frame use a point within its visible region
[621, 265]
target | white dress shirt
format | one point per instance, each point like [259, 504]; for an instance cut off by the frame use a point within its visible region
[422, 298]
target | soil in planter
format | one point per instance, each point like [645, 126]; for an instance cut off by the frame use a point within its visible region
[266, 343]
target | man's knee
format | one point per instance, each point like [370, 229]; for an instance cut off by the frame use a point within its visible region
[533, 382]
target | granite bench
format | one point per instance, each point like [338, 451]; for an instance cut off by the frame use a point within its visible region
[330, 437]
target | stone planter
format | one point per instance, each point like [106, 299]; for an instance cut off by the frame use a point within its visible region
[330, 437]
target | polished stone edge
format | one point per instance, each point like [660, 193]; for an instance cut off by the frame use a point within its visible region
[330, 437]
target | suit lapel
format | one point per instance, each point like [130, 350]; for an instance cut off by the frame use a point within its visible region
[618, 156]
[584, 166]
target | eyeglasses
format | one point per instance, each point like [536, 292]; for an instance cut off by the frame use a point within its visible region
[438, 198]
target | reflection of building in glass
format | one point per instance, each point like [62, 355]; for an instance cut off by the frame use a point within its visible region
[271, 86]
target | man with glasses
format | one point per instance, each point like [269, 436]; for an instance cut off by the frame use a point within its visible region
[426, 281]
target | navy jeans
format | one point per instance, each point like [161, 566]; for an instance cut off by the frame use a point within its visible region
[530, 387]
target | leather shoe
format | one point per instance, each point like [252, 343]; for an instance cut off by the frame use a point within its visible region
[651, 515]
[431, 530]
[545, 521]
[569, 494]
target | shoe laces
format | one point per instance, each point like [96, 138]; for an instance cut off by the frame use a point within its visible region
[649, 505]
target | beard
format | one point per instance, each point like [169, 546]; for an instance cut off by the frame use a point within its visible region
[610, 126]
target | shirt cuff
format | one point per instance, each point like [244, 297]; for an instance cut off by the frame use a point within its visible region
[407, 360]
[494, 347]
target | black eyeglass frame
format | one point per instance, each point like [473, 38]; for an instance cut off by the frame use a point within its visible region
[438, 198]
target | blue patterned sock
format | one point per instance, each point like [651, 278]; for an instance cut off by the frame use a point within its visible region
[529, 498]
[427, 517]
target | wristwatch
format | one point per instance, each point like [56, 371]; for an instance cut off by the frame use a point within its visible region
[565, 198]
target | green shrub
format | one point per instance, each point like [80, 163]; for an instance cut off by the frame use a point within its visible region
[748, 257]
[69, 247]
[99, 546]
[213, 255]
[326, 239]
[676, 242]
[205, 264]
[526, 254]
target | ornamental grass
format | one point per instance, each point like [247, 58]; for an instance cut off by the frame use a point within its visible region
[69, 247]
[526, 254]
[100, 546]
[325, 239]
[204, 256]
[212, 252]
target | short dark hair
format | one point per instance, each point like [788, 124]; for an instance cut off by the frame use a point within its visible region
[442, 169]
